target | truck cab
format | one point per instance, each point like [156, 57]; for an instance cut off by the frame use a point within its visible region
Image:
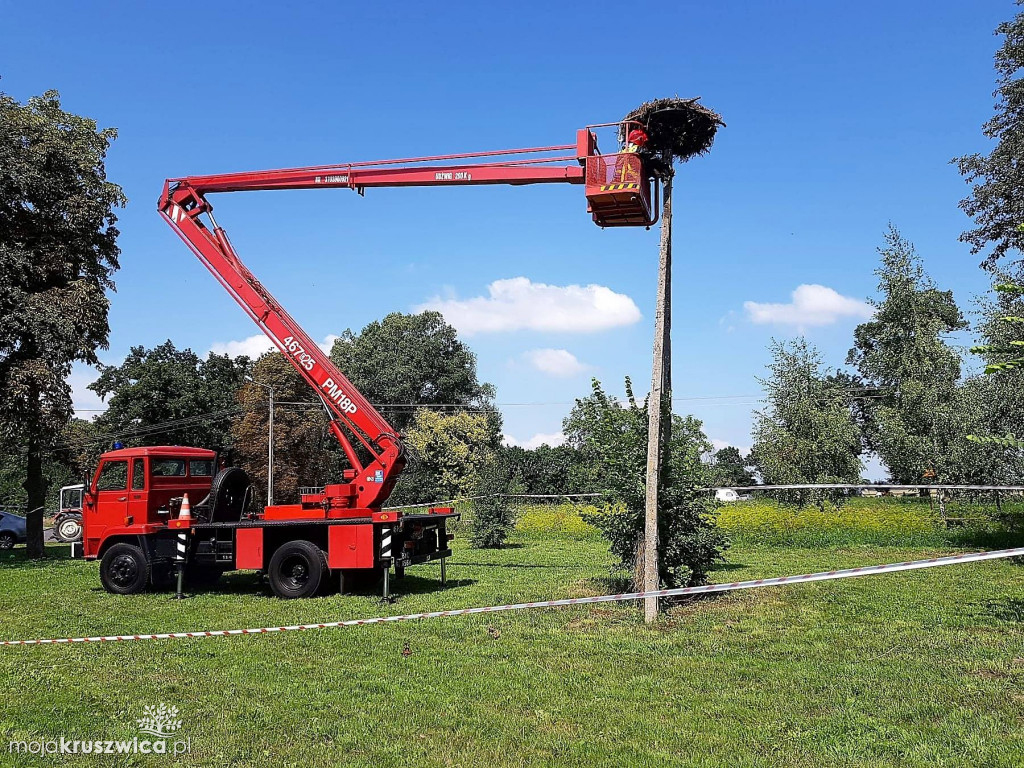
[135, 490]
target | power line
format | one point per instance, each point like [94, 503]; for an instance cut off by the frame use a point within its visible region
[186, 421]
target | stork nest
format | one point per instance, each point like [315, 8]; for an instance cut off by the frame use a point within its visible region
[677, 129]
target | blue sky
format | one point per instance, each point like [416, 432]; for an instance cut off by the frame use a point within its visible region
[841, 118]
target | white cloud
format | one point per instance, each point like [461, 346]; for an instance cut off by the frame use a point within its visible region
[811, 305]
[517, 304]
[553, 439]
[555, 362]
[328, 342]
[254, 346]
[88, 405]
[720, 444]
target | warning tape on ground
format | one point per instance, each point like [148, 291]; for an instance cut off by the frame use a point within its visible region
[804, 578]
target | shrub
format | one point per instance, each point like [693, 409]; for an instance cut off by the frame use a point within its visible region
[612, 444]
[494, 514]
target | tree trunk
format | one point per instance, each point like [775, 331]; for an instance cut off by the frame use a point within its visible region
[660, 383]
[35, 487]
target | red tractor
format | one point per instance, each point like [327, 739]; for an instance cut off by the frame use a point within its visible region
[135, 517]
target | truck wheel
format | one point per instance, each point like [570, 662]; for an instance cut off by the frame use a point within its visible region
[6, 540]
[69, 529]
[124, 570]
[297, 569]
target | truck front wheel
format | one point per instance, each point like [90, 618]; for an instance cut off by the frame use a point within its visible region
[124, 570]
[297, 569]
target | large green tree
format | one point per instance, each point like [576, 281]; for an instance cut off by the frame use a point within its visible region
[730, 467]
[544, 469]
[1001, 328]
[167, 395]
[305, 453]
[446, 454]
[995, 202]
[58, 250]
[806, 432]
[611, 441]
[405, 362]
[915, 422]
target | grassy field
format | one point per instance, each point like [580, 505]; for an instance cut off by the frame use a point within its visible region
[921, 668]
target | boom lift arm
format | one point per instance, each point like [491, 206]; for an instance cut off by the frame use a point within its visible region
[618, 193]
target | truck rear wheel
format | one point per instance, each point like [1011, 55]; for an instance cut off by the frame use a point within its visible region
[124, 570]
[297, 569]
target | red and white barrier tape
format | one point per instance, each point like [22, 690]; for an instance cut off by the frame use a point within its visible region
[846, 573]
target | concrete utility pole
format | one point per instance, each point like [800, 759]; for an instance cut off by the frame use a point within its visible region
[270, 443]
[659, 409]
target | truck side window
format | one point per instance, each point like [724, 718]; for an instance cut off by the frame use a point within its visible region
[113, 476]
[138, 475]
[200, 467]
[167, 467]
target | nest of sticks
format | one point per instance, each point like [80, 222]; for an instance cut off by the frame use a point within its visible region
[677, 129]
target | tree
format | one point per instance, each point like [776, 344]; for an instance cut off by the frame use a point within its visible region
[806, 433]
[730, 468]
[544, 469]
[305, 454]
[902, 351]
[494, 509]
[58, 250]
[1002, 333]
[165, 384]
[447, 452]
[995, 202]
[406, 361]
[611, 441]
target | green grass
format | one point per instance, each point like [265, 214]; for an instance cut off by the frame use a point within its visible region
[879, 521]
[921, 668]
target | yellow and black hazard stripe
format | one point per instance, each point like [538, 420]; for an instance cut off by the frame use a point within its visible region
[617, 187]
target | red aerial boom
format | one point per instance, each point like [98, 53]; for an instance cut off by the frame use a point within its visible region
[619, 192]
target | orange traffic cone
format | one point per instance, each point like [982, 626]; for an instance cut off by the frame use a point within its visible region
[186, 509]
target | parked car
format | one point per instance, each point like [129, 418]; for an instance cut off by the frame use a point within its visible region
[727, 495]
[12, 530]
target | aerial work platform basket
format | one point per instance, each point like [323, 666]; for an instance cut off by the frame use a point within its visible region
[618, 186]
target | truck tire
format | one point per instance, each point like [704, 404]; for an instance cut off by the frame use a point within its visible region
[68, 529]
[297, 569]
[124, 570]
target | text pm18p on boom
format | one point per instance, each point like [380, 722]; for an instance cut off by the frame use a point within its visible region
[134, 515]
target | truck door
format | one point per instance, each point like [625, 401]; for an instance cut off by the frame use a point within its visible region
[112, 492]
[137, 497]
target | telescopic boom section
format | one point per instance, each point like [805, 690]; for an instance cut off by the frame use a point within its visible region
[354, 420]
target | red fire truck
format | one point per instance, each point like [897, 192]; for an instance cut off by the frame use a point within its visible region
[133, 523]
[133, 517]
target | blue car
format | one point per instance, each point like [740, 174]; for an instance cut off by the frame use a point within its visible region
[12, 530]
